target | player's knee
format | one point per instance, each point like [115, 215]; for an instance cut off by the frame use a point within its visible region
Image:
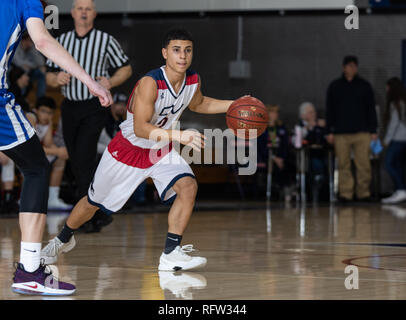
[87, 206]
[39, 171]
[44, 170]
[187, 189]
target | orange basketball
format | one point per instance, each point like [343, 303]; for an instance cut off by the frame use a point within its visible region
[247, 113]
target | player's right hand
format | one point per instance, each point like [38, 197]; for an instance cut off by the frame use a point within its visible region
[194, 139]
[100, 92]
[62, 78]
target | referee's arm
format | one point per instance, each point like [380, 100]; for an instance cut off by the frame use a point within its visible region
[118, 60]
[57, 79]
[119, 77]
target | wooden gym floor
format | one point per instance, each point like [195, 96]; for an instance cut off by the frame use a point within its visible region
[281, 253]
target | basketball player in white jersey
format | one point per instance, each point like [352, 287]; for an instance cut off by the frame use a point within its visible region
[158, 100]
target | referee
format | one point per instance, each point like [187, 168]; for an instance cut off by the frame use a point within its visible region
[83, 118]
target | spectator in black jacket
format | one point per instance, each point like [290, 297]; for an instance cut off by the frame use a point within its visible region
[352, 123]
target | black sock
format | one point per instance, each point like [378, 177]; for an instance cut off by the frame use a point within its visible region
[172, 241]
[65, 234]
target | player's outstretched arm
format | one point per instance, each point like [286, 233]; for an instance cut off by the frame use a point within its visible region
[143, 107]
[202, 104]
[50, 48]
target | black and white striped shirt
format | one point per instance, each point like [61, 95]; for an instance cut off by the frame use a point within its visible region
[96, 52]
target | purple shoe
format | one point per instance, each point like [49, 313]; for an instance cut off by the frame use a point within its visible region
[39, 282]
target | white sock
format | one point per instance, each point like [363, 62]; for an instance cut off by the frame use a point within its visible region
[30, 255]
[53, 193]
[7, 172]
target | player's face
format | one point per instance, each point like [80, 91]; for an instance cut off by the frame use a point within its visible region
[84, 13]
[178, 55]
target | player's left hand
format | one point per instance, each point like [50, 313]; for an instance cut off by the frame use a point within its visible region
[104, 82]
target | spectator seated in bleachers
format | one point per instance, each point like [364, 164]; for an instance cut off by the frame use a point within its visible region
[32, 62]
[314, 137]
[54, 149]
[19, 82]
[276, 136]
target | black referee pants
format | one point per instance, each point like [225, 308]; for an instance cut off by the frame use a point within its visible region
[82, 124]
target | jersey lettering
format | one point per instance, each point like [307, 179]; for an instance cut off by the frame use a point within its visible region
[165, 111]
[163, 122]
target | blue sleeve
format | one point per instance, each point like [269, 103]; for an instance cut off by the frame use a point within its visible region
[32, 9]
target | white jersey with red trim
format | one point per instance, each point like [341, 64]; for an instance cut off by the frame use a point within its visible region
[168, 106]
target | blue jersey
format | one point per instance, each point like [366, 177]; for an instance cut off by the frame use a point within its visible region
[13, 17]
[14, 127]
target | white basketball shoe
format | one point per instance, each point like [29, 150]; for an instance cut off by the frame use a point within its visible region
[181, 283]
[178, 259]
[54, 248]
[397, 197]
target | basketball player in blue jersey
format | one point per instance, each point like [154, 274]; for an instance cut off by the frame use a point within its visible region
[20, 143]
[143, 148]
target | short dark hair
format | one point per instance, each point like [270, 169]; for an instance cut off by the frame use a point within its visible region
[47, 102]
[350, 59]
[176, 34]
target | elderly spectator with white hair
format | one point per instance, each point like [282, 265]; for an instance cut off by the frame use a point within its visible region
[308, 117]
[314, 134]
